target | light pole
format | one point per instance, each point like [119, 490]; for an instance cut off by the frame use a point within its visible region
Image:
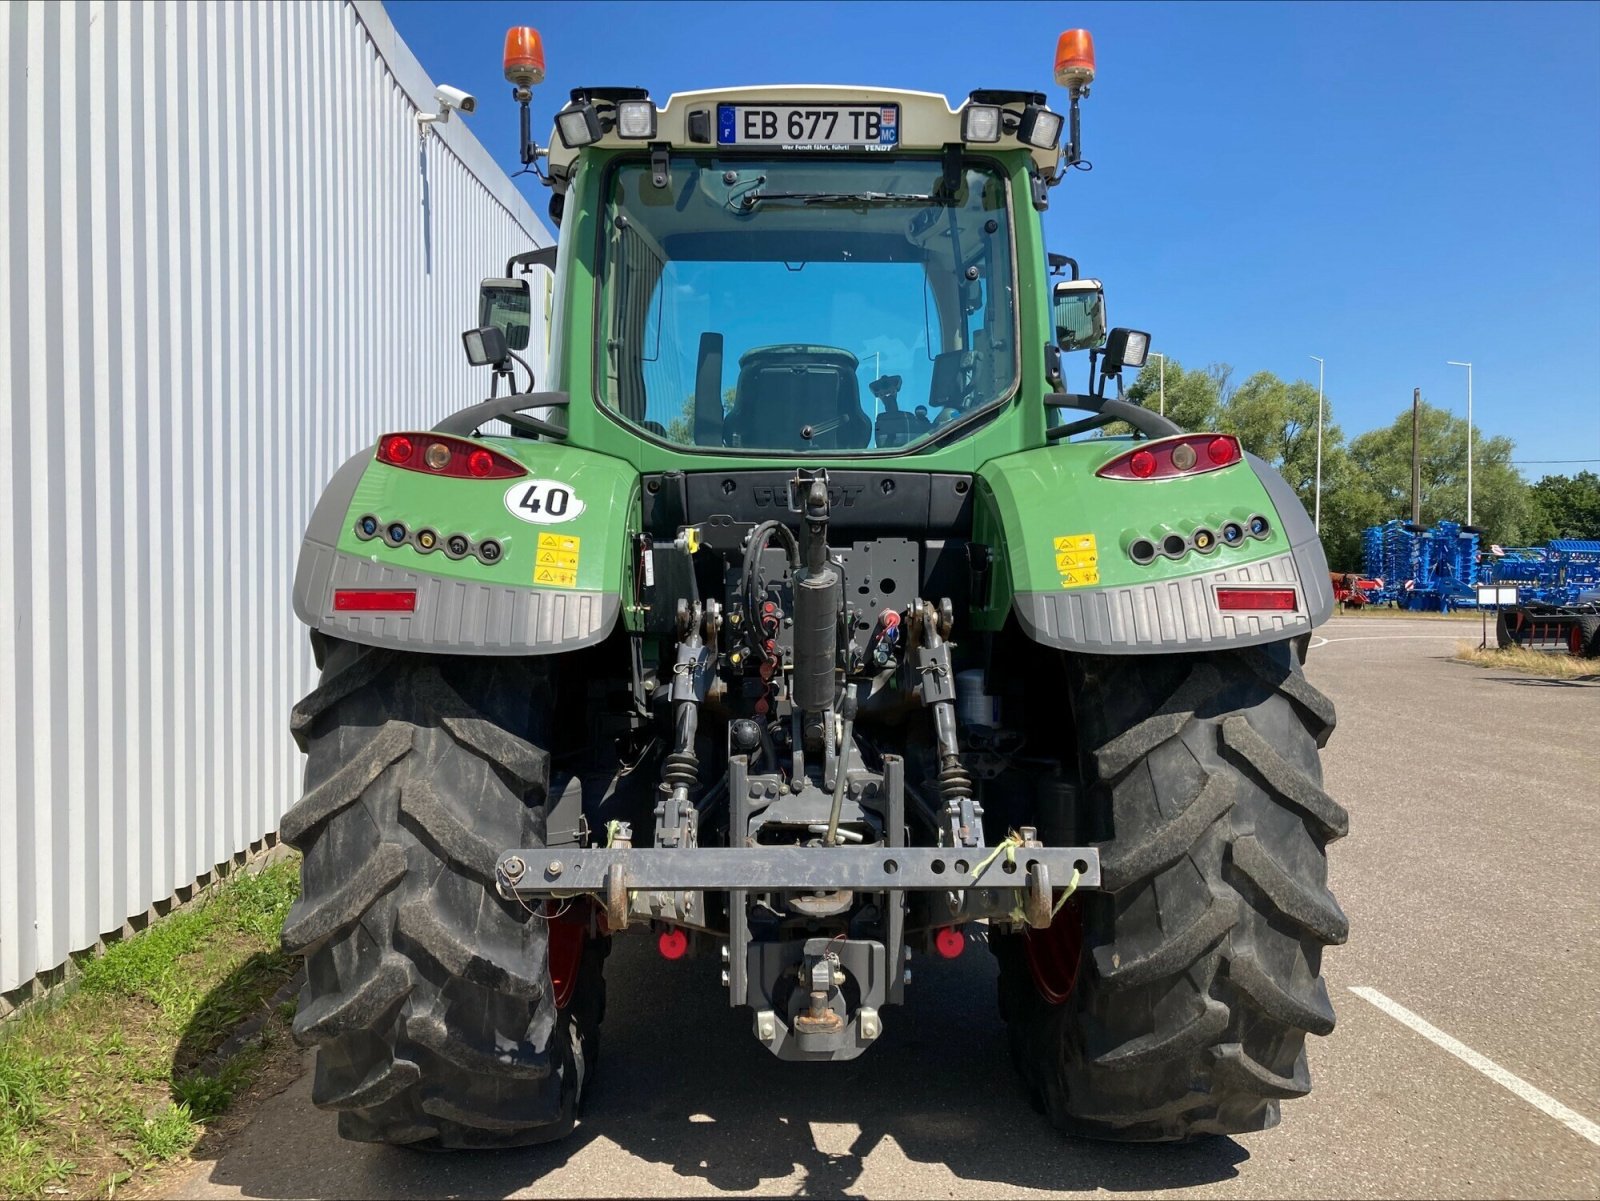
[1163, 384]
[1468, 366]
[1317, 520]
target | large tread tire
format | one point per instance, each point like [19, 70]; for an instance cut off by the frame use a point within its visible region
[1200, 975]
[1586, 644]
[428, 995]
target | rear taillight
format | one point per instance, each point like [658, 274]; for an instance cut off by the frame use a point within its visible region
[375, 600]
[1173, 458]
[1274, 600]
[436, 454]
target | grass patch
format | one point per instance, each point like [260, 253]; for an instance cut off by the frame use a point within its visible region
[1534, 663]
[115, 1077]
[1382, 611]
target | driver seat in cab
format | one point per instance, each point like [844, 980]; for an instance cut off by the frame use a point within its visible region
[784, 391]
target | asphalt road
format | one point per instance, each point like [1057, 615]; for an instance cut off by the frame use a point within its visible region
[1470, 880]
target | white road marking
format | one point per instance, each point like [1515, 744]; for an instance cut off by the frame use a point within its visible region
[1569, 1118]
[1315, 642]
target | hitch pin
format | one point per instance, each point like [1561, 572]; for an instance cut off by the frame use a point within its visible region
[839, 835]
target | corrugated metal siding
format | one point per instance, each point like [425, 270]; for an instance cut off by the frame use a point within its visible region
[229, 264]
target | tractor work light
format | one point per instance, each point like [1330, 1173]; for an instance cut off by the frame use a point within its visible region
[1040, 127]
[980, 123]
[485, 346]
[1125, 348]
[1075, 60]
[524, 58]
[578, 125]
[636, 119]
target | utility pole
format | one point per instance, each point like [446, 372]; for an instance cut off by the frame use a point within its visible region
[1416, 458]
[1468, 366]
[1318, 519]
[1163, 385]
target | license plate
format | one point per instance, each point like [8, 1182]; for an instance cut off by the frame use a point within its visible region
[810, 126]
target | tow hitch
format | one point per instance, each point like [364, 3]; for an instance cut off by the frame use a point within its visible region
[820, 998]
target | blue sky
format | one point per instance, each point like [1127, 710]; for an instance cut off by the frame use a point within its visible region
[1386, 186]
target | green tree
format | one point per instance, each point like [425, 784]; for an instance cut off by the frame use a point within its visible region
[1564, 507]
[1501, 506]
[1278, 422]
[1193, 397]
[681, 428]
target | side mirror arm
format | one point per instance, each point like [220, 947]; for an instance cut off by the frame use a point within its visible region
[510, 410]
[1151, 425]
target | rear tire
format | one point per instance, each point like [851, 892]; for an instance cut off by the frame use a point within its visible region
[427, 994]
[1586, 643]
[1200, 971]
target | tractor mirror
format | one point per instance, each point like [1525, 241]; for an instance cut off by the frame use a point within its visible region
[1080, 314]
[507, 304]
[486, 347]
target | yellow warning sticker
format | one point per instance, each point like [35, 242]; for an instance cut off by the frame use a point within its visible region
[1077, 560]
[1076, 542]
[557, 558]
[556, 561]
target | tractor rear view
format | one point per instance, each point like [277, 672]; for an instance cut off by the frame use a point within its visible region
[803, 620]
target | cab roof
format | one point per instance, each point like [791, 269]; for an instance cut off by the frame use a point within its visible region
[926, 119]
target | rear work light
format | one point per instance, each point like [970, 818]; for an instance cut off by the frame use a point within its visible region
[1173, 458]
[436, 454]
[375, 600]
[1275, 600]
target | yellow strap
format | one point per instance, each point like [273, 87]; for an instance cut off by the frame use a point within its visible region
[1072, 887]
[611, 831]
[1008, 844]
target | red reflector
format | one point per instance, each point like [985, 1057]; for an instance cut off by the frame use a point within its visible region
[1275, 599]
[673, 944]
[375, 600]
[1142, 463]
[1222, 451]
[949, 941]
[396, 449]
[480, 463]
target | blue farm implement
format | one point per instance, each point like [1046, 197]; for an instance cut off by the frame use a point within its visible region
[1420, 568]
[1559, 573]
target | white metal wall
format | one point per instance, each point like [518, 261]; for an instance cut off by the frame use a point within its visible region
[229, 264]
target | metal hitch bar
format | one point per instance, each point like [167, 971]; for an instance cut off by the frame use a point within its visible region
[535, 872]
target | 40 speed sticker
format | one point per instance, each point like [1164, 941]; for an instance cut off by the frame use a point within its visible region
[543, 502]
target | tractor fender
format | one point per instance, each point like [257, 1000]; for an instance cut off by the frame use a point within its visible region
[538, 578]
[1062, 537]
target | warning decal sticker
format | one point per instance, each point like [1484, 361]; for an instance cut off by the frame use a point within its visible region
[1077, 560]
[555, 562]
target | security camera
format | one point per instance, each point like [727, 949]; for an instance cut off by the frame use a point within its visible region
[449, 98]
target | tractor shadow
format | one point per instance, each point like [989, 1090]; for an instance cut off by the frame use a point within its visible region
[683, 1084]
[939, 1086]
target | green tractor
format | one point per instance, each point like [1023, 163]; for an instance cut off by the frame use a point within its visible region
[805, 620]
